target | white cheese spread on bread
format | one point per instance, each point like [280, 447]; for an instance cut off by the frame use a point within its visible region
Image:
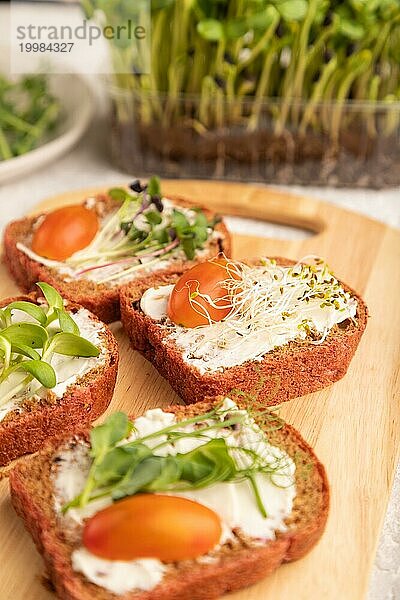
[78, 267]
[233, 502]
[289, 313]
[68, 369]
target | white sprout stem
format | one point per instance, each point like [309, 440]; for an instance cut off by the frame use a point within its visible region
[107, 264]
[263, 300]
[15, 390]
[128, 271]
[87, 257]
[110, 228]
[157, 251]
[123, 251]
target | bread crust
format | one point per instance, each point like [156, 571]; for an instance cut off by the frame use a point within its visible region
[100, 299]
[240, 568]
[84, 401]
[287, 372]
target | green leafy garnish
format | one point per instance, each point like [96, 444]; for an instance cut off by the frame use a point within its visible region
[6, 351]
[191, 237]
[70, 344]
[25, 351]
[153, 217]
[143, 231]
[154, 186]
[53, 298]
[118, 194]
[30, 309]
[208, 464]
[28, 334]
[28, 347]
[103, 437]
[123, 467]
[41, 371]
[67, 324]
[28, 113]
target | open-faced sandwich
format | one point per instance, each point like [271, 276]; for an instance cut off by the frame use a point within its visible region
[183, 504]
[87, 251]
[58, 366]
[284, 328]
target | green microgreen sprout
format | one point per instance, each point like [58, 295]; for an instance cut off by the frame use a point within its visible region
[28, 114]
[27, 346]
[260, 298]
[125, 464]
[141, 232]
[223, 65]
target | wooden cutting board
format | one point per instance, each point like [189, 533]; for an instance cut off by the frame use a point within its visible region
[354, 425]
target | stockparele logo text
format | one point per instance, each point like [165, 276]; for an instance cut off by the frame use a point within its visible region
[90, 32]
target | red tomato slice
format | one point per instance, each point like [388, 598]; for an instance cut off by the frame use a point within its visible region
[169, 528]
[65, 231]
[187, 305]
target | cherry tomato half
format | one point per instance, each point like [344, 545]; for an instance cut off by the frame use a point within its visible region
[169, 528]
[187, 305]
[65, 231]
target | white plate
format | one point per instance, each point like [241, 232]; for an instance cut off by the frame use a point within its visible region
[76, 103]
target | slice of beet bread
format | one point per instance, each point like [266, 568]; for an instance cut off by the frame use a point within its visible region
[26, 430]
[289, 371]
[238, 565]
[100, 299]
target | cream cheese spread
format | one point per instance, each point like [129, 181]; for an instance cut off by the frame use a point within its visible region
[116, 271]
[68, 369]
[154, 301]
[118, 576]
[228, 343]
[233, 501]
[69, 273]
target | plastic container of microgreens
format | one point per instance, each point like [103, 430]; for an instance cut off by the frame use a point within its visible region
[295, 91]
[340, 144]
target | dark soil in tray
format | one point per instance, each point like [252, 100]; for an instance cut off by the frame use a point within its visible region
[312, 159]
